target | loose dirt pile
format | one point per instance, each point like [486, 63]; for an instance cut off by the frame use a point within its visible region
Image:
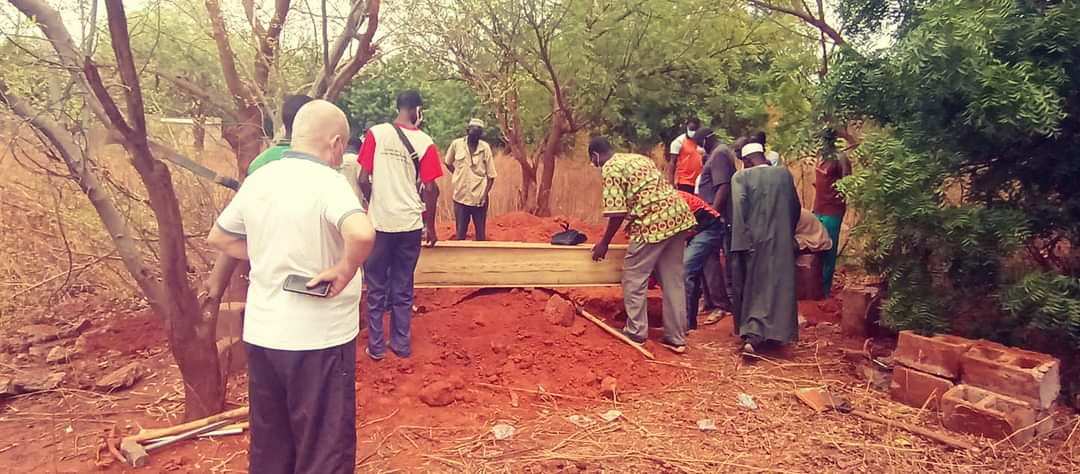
[487, 357]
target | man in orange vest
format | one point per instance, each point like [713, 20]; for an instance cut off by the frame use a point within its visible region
[685, 156]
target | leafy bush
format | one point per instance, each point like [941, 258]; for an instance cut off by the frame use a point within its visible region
[980, 107]
[1047, 302]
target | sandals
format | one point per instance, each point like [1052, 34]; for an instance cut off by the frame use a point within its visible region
[678, 349]
[715, 317]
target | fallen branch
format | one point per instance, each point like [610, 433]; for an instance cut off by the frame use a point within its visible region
[933, 435]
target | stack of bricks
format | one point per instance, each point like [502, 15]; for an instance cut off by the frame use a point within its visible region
[980, 387]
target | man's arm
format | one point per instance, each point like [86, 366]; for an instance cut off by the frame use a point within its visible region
[232, 245]
[359, 237]
[722, 197]
[430, 194]
[363, 180]
[615, 221]
[672, 165]
[430, 170]
[487, 191]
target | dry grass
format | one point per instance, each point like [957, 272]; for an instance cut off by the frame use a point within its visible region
[52, 242]
[658, 430]
[575, 190]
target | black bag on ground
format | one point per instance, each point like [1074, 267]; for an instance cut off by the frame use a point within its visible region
[568, 236]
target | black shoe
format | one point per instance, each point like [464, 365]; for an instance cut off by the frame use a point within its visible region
[634, 339]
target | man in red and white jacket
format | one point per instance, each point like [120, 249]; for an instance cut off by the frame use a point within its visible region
[399, 185]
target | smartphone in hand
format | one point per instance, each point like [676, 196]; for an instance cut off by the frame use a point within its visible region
[298, 284]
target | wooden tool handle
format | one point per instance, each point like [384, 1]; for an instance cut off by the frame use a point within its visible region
[616, 333]
[934, 435]
[172, 430]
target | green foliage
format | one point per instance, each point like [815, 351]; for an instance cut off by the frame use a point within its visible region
[936, 255]
[448, 103]
[166, 47]
[981, 100]
[1045, 301]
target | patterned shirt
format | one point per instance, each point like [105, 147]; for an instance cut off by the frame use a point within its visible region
[635, 187]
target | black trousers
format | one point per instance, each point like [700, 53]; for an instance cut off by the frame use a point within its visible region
[303, 410]
[478, 214]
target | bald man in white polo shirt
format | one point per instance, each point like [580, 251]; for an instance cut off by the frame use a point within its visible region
[297, 215]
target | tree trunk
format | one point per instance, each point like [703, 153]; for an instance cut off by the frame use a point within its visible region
[547, 172]
[193, 339]
[528, 180]
[552, 145]
[510, 122]
[245, 137]
[198, 125]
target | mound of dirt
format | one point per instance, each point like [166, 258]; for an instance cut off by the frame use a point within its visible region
[496, 340]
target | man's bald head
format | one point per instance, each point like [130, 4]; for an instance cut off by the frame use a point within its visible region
[321, 129]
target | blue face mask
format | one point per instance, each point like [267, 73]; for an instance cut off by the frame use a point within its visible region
[690, 133]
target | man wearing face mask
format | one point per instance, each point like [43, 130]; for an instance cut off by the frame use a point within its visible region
[398, 168]
[472, 164]
[685, 157]
[657, 223]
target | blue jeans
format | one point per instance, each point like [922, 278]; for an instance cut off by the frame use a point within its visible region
[388, 273]
[478, 215]
[705, 245]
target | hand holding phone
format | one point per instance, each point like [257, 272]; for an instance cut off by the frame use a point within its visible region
[298, 284]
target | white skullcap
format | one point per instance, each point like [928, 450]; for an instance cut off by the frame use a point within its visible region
[476, 123]
[752, 148]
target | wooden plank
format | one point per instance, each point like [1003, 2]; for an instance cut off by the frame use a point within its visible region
[516, 264]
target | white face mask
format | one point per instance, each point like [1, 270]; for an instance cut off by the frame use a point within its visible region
[690, 133]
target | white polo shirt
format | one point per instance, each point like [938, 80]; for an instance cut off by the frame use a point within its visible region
[290, 212]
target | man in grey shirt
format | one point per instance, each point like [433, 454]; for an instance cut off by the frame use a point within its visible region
[715, 188]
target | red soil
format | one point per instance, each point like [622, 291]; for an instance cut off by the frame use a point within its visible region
[480, 342]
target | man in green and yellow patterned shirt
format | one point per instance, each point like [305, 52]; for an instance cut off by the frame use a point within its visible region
[657, 223]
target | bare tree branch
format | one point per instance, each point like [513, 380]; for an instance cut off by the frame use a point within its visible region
[329, 87]
[805, 16]
[237, 88]
[125, 62]
[115, 222]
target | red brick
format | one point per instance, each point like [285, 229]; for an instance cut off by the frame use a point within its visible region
[914, 388]
[976, 411]
[938, 355]
[1029, 376]
[860, 310]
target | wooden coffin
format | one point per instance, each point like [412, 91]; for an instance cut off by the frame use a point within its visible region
[516, 265]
